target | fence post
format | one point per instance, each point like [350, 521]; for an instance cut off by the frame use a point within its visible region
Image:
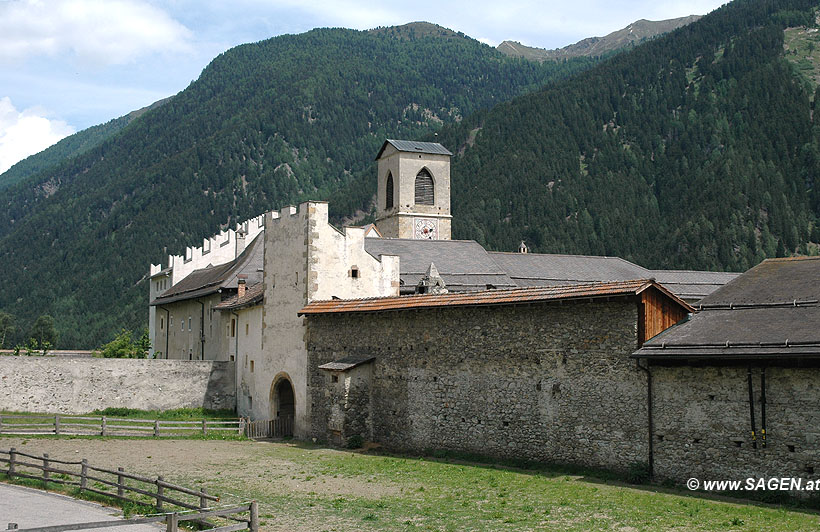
[12, 456]
[203, 502]
[103, 424]
[254, 524]
[84, 474]
[1, 427]
[204, 427]
[172, 522]
[46, 474]
[156, 429]
[160, 493]
[120, 480]
[241, 425]
[56, 423]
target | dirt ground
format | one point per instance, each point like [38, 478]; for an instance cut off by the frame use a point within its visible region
[237, 471]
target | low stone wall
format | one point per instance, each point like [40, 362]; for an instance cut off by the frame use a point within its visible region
[80, 385]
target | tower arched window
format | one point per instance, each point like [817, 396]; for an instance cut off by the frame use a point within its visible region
[389, 191]
[425, 194]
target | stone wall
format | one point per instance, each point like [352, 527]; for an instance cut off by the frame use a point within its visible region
[703, 424]
[548, 382]
[80, 385]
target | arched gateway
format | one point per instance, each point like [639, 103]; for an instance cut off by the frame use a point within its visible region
[283, 405]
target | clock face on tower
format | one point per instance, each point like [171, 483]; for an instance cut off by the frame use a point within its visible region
[425, 229]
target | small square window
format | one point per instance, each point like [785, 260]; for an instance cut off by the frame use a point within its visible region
[334, 378]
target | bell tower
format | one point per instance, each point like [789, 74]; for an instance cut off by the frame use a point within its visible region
[413, 190]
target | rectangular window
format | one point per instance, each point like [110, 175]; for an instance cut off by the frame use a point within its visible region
[246, 329]
[161, 324]
[233, 327]
[251, 366]
[231, 358]
[189, 323]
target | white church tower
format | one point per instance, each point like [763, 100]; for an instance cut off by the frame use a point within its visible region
[413, 190]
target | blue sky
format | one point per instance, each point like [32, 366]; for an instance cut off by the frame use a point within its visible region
[69, 64]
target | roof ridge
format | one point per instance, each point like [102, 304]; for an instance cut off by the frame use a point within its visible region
[501, 291]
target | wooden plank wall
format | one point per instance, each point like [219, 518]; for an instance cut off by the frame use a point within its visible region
[658, 313]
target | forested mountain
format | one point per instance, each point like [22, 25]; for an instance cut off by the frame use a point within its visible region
[266, 125]
[635, 33]
[695, 150]
[71, 146]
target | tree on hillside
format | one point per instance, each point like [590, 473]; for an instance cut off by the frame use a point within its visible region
[6, 328]
[43, 332]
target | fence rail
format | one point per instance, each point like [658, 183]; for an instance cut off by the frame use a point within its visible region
[155, 492]
[171, 520]
[269, 428]
[27, 424]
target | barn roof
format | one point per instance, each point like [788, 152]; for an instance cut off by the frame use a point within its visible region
[770, 312]
[489, 297]
[414, 146]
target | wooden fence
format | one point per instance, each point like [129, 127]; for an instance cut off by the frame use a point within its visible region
[25, 424]
[269, 428]
[171, 520]
[99, 480]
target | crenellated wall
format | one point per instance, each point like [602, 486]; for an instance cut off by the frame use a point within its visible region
[223, 247]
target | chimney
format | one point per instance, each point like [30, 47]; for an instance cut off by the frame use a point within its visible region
[240, 287]
[240, 242]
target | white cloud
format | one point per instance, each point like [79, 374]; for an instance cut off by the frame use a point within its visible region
[26, 133]
[97, 31]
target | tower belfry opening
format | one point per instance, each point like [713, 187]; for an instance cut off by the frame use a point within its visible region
[414, 188]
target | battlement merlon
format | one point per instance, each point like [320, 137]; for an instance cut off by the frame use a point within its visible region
[220, 248]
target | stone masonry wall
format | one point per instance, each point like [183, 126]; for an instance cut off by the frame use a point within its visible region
[547, 382]
[80, 385]
[703, 426]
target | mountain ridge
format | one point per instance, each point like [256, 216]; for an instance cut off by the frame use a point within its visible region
[634, 33]
[266, 124]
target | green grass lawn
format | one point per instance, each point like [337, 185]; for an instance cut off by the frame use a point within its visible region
[306, 487]
[336, 490]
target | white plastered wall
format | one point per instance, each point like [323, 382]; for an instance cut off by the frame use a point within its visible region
[306, 259]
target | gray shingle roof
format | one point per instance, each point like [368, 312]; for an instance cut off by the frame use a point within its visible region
[772, 281]
[463, 264]
[692, 285]
[209, 280]
[771, 311]
[414, 146]
[535, 269]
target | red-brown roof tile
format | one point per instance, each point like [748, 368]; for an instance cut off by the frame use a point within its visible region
[488, 297]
